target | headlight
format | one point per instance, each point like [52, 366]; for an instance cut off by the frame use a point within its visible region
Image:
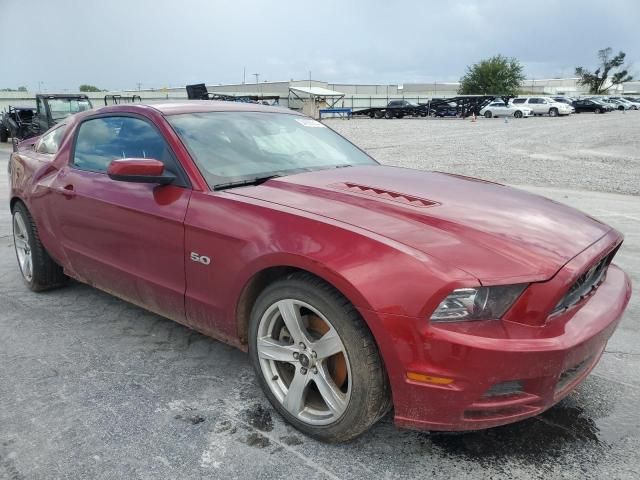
[479, 303]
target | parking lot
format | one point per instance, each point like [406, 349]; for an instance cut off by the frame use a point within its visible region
[94, 387]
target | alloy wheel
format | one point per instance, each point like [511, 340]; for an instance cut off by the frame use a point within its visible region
[304, 362]
[23, 246]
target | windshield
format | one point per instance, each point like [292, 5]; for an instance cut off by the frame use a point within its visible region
[61, 108]
[236, 146]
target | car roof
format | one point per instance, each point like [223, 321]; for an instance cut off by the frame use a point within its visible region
[177, 108]
[199, 106]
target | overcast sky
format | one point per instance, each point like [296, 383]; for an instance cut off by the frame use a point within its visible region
[115, 44]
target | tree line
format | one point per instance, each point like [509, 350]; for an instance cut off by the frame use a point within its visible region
[504, 76]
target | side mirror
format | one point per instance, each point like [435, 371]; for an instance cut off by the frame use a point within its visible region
[139, 170]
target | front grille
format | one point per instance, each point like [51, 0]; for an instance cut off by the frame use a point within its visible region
[585, 284]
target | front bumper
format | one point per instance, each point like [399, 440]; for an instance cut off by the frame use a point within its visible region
[531, 367]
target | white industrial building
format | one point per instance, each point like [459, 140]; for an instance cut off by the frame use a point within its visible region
[320, 94]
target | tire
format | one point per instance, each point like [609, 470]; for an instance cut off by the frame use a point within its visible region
[597, 110]
[488, 114]
[4, 134]
[400, 115]
[372, 114]
[38, 269]
[361, 398]
[388, 114]
[517, 114]
[553, 112]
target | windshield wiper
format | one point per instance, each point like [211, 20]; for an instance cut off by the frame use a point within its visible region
[242, 183]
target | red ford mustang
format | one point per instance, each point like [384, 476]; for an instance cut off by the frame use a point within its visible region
[355, 287]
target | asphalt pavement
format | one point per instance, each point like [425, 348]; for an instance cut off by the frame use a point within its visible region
[94, 387]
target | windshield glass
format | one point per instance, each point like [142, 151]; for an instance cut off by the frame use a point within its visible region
[63, 107]
[236, 146]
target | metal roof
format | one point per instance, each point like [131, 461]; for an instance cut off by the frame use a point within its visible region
[317, 91]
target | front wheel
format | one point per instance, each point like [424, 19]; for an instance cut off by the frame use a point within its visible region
[553, 112]
[518, 114]
[316, 360]
[597, 110]
[4, 134]
[488, 114]
[38, 269]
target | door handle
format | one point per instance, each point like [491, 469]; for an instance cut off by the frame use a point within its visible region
[68, 191]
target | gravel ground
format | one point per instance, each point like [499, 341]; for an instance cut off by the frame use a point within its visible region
[538, 151]
[92, 387]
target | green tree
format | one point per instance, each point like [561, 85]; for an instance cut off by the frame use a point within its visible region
[22, 89]
[89, 88]
[599, 81]
[496, 75]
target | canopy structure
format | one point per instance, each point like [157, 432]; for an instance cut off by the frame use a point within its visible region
[311, 99]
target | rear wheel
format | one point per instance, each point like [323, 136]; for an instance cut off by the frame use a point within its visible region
[38, 269]
[4, 134]
[597, 110]
[518, 114]
[488, 115]
[316, 360]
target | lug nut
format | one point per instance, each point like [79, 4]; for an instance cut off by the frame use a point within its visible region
[296, 355]
[303, 371]
[314, 354]
[303, 346]
[314, 370]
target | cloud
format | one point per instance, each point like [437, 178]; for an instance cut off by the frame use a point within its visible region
[119, 43]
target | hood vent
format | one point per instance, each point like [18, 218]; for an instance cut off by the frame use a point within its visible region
[383, 194]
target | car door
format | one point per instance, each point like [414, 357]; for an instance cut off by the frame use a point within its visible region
[125, 238]
[41, 118]
[534, 105]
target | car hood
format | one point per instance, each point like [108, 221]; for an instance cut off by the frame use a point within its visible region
[496, 233]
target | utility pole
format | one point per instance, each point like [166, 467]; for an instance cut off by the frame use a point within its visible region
[244, 73]
[139, 85]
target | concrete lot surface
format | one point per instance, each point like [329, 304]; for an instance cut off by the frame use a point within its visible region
[93, 387]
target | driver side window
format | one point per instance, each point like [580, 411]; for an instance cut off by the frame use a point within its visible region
[102, 140]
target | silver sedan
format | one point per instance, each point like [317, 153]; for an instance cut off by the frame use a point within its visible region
[501, 109]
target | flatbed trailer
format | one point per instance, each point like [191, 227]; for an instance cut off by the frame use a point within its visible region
[462, 106]
[199, 91]
[394, 109]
